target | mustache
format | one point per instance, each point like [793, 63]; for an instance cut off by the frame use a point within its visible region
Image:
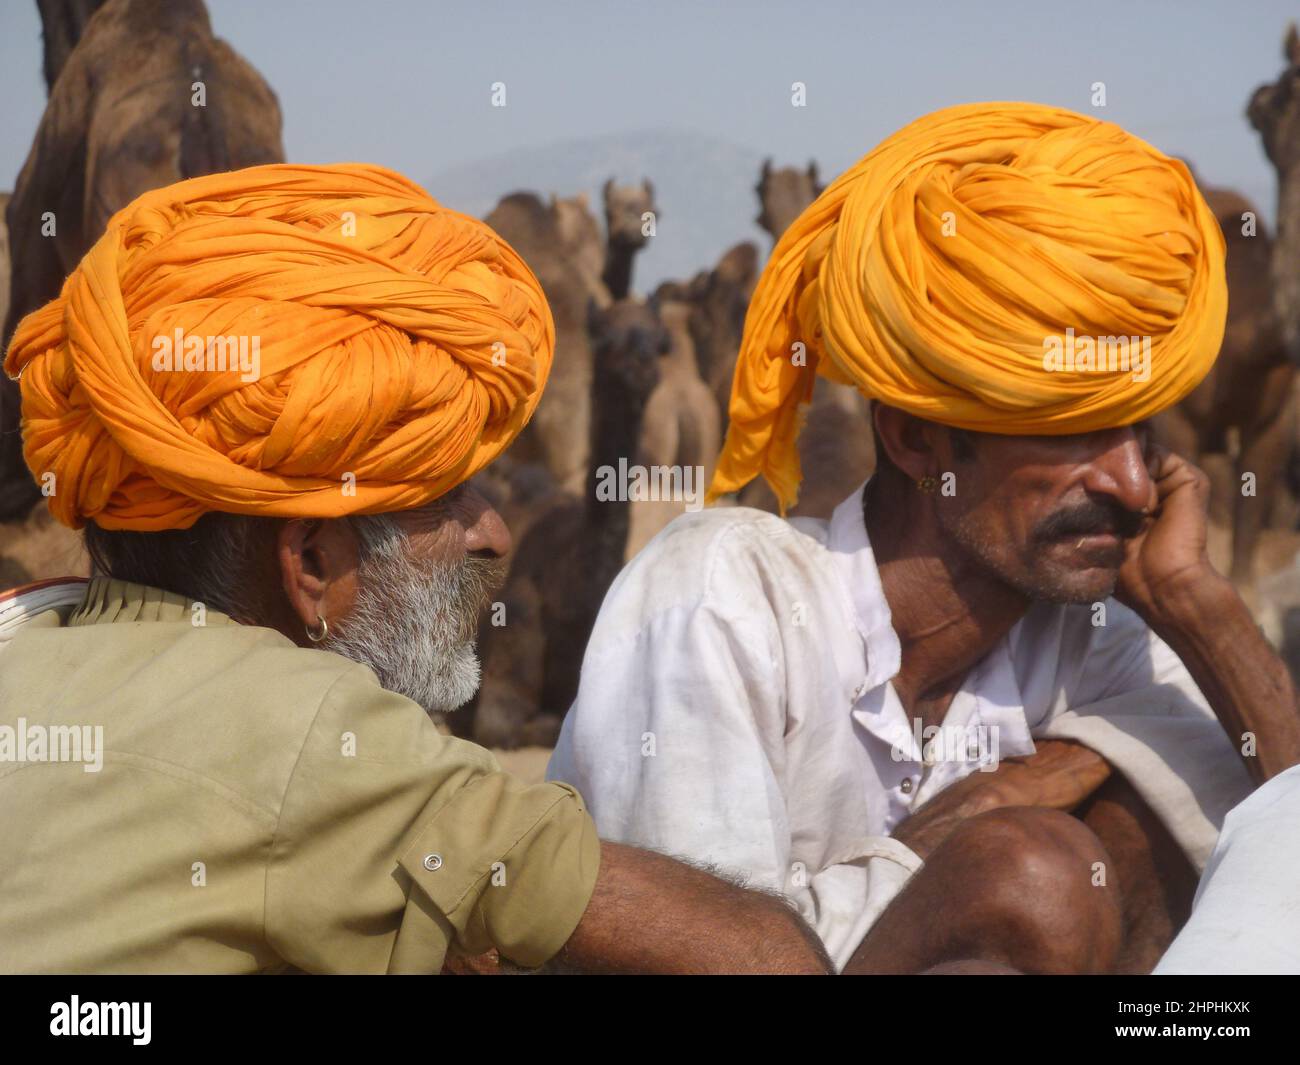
[477, 580]
[468, 587]
[482, 576]
[1093, 516]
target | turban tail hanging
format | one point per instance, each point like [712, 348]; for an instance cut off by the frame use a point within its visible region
[937, 273]
[390, 350]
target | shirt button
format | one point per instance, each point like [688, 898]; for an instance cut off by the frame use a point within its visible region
[906, 786]
[433, 862]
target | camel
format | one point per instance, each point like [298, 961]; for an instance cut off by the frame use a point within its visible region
[570, 554]
[836, 454]
[1274, 111]
[62, 24]
[783, 194]
[580, 240]
[625, 209]
[561, 245]
[4, 257]
[836, 448]
[682, 426]
[1246, 393]
[721, 297]
[125, 82]
[35, 547]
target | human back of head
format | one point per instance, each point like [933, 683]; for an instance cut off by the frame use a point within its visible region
[281, 376]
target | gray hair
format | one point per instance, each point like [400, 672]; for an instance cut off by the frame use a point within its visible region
[413, 623]
[215, 561]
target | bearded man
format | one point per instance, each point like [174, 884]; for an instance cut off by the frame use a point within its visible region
[289, 564]
[822, 706]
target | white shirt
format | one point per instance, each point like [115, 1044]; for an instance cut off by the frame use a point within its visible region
[1246, 915]
[736, 709]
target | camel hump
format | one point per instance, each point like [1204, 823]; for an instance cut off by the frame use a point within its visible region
[527, 224]
[238, 124]
[1227, 203]
[170, 101]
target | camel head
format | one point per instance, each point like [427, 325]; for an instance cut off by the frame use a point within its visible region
[720, 298]
[784, 194]
[625, 206]
[739, 266]
[579, 233]
[627, 340]
[1274, 109]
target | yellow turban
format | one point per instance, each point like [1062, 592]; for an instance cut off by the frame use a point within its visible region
[391, 349]
[940, 273]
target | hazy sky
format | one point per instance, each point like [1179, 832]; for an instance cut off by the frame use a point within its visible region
[407, 83]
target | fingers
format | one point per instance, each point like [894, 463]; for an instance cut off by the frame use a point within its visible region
[1165, 466]
[1068, 751]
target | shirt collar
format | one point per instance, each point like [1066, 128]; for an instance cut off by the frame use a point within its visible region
[990, 694]
[856, 561]
[108, 601]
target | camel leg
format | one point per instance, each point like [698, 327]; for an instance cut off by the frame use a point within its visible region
[1264, 446]
[1156, 880]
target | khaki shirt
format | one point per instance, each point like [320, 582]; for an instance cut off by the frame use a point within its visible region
[259, 807]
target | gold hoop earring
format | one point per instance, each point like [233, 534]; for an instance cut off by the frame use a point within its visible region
[316, 637]
[928, 484]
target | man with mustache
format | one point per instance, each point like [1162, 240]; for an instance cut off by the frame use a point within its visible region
[260, 804]
[998, 705]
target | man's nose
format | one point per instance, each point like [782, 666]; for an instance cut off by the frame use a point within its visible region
[1120, 471]
[486, 530]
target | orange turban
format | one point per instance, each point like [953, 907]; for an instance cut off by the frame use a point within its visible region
[938, 274]
[360, 349]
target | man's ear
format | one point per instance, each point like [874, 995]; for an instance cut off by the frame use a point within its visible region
[912, 443]
[318, 571]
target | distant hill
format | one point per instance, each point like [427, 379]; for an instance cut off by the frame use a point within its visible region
[704, 189]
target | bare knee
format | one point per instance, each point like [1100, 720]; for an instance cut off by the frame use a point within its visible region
[1038, 879]
[971, 967]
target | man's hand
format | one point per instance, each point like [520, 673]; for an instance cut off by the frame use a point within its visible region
[1059, 775]
[1166, 577]
[1170, 551]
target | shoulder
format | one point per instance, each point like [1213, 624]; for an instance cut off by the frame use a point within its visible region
[1091, 651]
[248, 701]
[336, 704]
[259, 666]
[723, 558]
[1080, 628]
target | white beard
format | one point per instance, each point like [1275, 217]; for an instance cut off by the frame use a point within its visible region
[415, 621]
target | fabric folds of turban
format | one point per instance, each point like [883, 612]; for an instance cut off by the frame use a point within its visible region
[400, 347]
[932, 274]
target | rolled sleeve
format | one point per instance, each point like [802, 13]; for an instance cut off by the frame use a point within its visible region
[847, 898]
[395, 842]
[508, 866]
[1133, 701]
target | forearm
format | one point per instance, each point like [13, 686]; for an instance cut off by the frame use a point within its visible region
[652, 914]
[1206, 623]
